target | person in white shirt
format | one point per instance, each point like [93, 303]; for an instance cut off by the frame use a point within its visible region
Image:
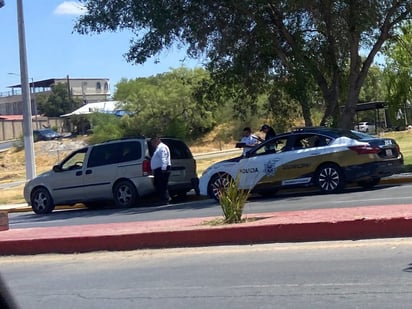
[160, 165]
[248, 140]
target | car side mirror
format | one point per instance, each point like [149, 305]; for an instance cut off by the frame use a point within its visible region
[57, 168]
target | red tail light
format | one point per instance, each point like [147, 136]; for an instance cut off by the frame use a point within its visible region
[195, 166]
[365, 149]
[146, 168]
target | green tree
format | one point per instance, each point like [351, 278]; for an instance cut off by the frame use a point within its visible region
[166, 104]
[58, 102]
[252, 40]
[398, 74]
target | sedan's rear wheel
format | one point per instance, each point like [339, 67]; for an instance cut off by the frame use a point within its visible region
[124, 194]
[217, 184]
[329, 178]
[41, 201]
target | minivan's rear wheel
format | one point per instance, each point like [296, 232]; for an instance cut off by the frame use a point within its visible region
[41, 201]
[124, 194]
[329, 178]
[217, 184]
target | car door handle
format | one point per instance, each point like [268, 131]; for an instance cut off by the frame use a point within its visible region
[88, 172]
[79, 173]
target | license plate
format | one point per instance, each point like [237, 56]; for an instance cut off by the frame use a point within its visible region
[389, 152]
[176, 173]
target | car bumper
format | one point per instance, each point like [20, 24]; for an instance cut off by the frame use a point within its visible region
[185, 187]
[374, 170]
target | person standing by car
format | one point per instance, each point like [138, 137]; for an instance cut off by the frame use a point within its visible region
[248, 140]
[269, 132]
[160, 165]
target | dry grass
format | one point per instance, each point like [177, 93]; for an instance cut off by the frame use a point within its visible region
[49, 153]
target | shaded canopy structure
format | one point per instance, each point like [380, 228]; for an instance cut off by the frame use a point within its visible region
[381, 117]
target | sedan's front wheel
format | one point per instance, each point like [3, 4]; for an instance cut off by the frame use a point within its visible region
[41, 201]
[329, 178]
[217, 184]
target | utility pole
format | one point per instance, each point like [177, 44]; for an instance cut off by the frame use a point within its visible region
[25, 90]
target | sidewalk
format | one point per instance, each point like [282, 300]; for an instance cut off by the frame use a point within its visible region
[293, 226]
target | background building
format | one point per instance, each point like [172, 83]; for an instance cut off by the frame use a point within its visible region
[88, 90]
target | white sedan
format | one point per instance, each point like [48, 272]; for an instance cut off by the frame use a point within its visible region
[323, 157]
[365, 127]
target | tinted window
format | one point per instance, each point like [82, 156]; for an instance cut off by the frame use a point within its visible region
[114, 153]
[272, 146]
[178, 149]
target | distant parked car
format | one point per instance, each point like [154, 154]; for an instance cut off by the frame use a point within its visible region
[45, 135]
[365, 127]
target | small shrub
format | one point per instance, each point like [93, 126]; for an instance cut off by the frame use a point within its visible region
[232, 201]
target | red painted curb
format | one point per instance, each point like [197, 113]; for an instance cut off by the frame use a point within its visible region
[237, 234]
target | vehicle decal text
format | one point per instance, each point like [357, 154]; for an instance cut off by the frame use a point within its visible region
[295, 166]
[249, 170]
[296, 181]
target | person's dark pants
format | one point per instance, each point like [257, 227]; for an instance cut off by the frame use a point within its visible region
[161, 180]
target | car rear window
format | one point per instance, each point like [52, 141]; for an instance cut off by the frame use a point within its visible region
[178, 149]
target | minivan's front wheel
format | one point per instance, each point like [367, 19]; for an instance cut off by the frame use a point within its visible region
[124, 194]
[329, 178]
[41, 201]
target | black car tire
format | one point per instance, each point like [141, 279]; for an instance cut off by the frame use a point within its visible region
[124, 194]
[369, 183]
[41, 201]
[217, 183]
[329, 178]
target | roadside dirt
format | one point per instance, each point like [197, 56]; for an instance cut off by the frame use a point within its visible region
[49, 153]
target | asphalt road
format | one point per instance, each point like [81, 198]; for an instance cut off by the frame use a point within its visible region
[284, 201]
[362, 274]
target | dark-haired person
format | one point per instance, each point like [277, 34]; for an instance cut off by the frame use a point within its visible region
[269, 132]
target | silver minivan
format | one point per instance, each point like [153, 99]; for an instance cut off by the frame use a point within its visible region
[117, 171]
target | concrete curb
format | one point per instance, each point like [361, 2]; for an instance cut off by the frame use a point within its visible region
[294, 226]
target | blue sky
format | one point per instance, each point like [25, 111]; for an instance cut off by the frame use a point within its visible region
[53, 51]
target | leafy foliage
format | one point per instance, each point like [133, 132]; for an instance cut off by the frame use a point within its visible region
[105, 127]
[166, 104]
[397, 73]
[248, 44]
[58, 102]
[232, 201]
